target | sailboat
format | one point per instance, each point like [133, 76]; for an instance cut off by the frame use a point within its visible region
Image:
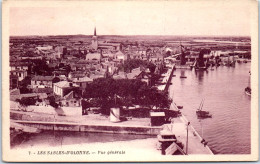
[202, 113]
[248, 88]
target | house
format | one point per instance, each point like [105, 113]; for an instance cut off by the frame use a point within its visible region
[71, 100]
[138, 73]
[121, 56]
[19, 66]
[21, 74]
[77, 74]
[42, 49]
[14, 81]
[94, 57]
[43, 81]
[62, 88]
[48, 91]
[82, 82]
[31, 55]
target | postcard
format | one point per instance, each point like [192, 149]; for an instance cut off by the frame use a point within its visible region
[129, 81]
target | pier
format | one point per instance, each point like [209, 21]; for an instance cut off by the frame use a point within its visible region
[179, 127]
[171, 70]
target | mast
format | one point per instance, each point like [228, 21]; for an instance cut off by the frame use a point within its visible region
[200, 107]
[202, 104]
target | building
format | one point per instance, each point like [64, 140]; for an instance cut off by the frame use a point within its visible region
[72, 99]
[43, 81]
[21, 74]
[62, 88]
[120, 56]
[19, 66]
[82, 82]
[94, 57]
[94, 41]
[14, 81]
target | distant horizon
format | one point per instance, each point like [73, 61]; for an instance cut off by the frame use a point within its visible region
[135, 35]
[132, 18]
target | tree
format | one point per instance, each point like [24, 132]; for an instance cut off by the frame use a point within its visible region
[25, 102]
[24, 85]
[40, 67]
[52, 102]
[152, 97]
[108, 92]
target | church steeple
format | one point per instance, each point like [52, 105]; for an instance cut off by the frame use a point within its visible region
[94, 40]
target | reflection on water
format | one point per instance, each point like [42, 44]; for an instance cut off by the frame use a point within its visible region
[228, 131]
[61, 138]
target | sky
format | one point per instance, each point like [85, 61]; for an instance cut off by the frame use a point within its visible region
[133, 18]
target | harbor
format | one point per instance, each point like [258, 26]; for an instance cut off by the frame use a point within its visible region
[223, 91]
[75, 122]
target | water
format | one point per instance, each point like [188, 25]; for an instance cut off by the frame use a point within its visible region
[228, 131]
[63, 138]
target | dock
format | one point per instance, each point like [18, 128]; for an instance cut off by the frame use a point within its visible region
[179, 127]
[97, 123]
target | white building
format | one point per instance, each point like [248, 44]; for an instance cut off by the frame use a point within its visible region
[62, 88]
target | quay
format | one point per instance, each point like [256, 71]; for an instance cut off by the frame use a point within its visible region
[100, 124]
[107, 127]
[179, 127]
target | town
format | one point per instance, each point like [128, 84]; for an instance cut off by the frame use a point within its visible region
[126, 78]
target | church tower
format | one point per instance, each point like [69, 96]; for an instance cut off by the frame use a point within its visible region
[94, 40]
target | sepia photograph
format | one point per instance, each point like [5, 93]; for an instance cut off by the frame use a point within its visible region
[111, 81]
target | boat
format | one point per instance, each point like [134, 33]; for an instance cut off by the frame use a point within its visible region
[248, 88]
[202, 113]
[248, 91]
[180, 107]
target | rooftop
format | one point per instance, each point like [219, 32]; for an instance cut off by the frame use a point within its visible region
[65, 84]
[42, 78]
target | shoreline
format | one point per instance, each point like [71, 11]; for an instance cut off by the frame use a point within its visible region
[136, 126]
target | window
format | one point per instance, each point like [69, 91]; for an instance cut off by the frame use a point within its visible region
[20, 74]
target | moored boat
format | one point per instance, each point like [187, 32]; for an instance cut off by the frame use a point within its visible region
[201, 113]
[248, 88]
[248, 91]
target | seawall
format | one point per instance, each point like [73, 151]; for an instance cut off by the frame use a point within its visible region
[169, 79]
[65, 126]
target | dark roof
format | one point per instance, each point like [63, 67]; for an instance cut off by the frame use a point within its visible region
[43, 90]
[42, 78]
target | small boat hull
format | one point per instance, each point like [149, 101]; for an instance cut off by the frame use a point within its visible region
[203, 114]
[248, 91]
